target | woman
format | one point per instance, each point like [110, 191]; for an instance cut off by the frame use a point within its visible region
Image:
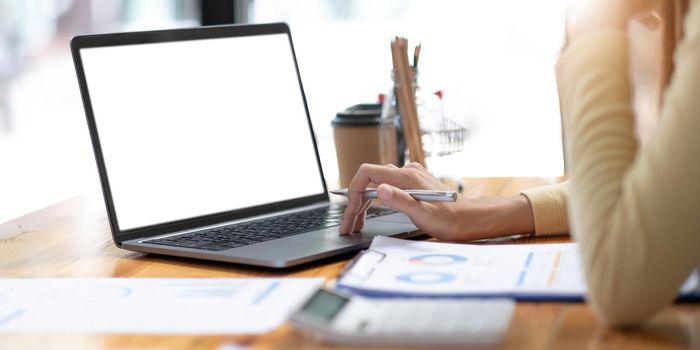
[635, 211]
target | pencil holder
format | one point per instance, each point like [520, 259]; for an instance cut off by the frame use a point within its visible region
[439, 135]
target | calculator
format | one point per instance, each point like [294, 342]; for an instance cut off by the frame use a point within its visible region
[337, 317]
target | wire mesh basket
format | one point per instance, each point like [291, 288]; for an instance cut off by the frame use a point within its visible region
[440, 136]
[443, 137]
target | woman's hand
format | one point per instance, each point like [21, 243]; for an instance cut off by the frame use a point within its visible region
[463, 220]
[589, 15]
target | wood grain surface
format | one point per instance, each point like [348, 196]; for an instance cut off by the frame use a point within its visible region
[72, 239]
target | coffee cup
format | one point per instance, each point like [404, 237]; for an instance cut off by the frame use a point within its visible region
[363, 136]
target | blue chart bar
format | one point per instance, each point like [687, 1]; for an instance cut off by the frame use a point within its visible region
[265, 293]
[11, 316]
[521, 279]
[528, 260]
[7, 291]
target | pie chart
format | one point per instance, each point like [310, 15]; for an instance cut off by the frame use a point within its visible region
[437, 259]
[426, 277]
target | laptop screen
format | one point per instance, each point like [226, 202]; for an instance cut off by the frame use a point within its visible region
[197, 127]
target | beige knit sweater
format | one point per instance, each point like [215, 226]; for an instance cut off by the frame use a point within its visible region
[635, 211]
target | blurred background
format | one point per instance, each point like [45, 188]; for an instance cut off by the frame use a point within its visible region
[493, 59]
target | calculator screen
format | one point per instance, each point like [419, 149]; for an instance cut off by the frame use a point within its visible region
[325, 305]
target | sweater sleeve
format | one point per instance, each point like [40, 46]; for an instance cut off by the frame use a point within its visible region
[549, 209]
[633, 211]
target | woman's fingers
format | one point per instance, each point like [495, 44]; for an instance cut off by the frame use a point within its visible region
[400, 200]
[367, 174]
[360, 220]
[650, 20]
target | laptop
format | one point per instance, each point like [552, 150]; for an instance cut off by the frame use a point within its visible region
[205, 147]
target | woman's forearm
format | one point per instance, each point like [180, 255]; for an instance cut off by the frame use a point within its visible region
[633, 211]
[490, 217]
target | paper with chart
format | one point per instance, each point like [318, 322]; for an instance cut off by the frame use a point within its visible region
[401, 267]
[151, 305]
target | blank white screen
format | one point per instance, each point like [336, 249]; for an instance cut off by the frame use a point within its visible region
[191, 128]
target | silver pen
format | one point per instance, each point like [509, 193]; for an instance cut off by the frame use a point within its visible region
[421, 195]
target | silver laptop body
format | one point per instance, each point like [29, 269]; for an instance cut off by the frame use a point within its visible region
[199, 132]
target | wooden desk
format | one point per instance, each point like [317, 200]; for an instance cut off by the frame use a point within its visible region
[72, 239]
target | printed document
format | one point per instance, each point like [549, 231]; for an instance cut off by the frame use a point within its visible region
[523, 271]
[151, 305]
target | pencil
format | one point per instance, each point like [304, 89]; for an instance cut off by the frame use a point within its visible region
[416, 55]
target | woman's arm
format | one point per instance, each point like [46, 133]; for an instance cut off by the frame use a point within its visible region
[464, 220]
[549, 211]
[635, 212]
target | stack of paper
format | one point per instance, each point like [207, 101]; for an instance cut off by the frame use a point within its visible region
[151, 305]
[394, 267]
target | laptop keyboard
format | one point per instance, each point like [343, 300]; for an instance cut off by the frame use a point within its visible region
[251, 232]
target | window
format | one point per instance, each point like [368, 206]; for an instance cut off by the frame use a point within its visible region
[493, 59]
[45, 150]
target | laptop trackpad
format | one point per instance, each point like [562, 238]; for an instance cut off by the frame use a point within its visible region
[395, 217]
[380, 227]
[320, 243]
